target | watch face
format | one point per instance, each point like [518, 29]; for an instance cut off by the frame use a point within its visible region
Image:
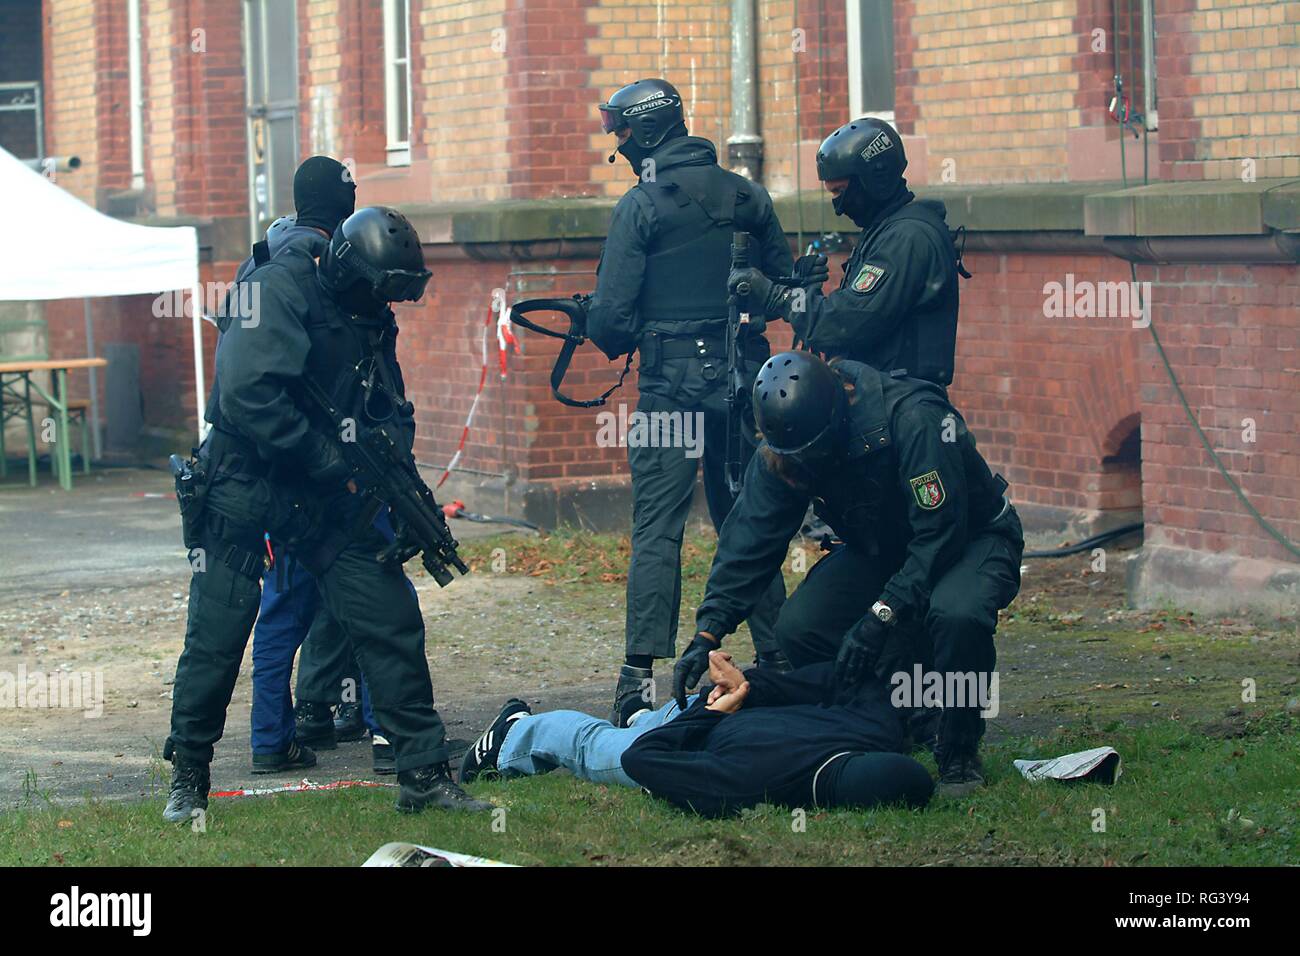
[884, 612]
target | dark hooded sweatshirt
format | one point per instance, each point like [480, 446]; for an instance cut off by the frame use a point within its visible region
[769, 751]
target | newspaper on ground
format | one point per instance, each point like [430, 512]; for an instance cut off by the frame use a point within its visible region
[1099, 765]
[409, 854]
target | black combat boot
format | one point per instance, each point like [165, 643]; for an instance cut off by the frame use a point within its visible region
[432, 786]
[629, 695]
[957, 752]
[189, 789]
[960, 775]
[480, 760]
[314, 725]
[295, 758]
[349, 724]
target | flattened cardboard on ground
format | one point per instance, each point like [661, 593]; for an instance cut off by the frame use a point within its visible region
[1099, 765]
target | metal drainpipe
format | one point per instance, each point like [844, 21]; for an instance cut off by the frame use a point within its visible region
[744, 145]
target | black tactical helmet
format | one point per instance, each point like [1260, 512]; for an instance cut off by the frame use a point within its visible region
[376, 245]
[650, 108]
[798, 402]
[868, 149]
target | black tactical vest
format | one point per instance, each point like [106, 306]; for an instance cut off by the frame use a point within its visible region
[340, 345]
[861, 498]
[697, 208]
[926, 340]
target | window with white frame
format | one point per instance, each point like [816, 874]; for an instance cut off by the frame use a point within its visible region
[397, 80]
[871, 58]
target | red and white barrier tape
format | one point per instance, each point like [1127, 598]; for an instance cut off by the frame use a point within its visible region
[302, 787]
[505, 338]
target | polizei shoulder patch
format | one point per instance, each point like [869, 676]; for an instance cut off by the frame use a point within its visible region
[928, 489]
[868, 278]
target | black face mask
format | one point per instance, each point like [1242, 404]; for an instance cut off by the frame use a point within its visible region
[855, 203]
[635, 154]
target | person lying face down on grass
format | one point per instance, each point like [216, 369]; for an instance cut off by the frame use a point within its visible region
[760, 736]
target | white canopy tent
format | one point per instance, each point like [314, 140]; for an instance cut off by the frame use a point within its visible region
[57, 247]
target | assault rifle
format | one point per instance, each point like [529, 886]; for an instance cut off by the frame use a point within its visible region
[385, 471]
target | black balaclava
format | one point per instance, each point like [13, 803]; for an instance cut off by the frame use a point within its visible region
[863, 208]
[636, 154]
[323, 193]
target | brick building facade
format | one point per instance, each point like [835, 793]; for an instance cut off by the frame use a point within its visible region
[478, 118]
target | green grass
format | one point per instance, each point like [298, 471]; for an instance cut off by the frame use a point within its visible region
[1186, 798]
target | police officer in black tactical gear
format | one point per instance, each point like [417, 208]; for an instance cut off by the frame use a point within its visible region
[929, 545]
[661, 289]
[272, 463]
[896, 307]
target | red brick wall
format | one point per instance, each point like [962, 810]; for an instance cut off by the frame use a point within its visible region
[1229, 88]
[824, 70]
[212, 174]
[1046, 396]
[551, 108]
[1231, 335]
[441, 353]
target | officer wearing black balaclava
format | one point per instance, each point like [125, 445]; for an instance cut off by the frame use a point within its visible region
[928, 548]
[661, 289]
[324, 194]
[273, 464]
[896, 307]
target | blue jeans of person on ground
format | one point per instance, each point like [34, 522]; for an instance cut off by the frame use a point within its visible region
[588, 747]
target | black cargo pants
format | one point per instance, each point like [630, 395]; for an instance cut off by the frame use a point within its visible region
[373, 604]
[955, 635]
[663, 482]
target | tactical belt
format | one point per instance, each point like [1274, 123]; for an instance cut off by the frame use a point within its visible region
[242, 561]
[691, 346]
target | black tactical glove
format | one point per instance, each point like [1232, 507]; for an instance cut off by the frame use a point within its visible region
[859, 652]
[691, 666]
[324, 463]
[403, 547]
[762, 291]
[813, 269]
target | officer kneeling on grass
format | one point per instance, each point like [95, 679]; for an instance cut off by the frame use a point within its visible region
[273, 462]
[929, 545]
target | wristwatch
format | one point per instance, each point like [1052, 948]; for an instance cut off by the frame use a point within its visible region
[884, 613]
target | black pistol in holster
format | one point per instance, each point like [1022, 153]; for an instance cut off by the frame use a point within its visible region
[738, 327]
[191, 481]
[386, 472]
[576, 311]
